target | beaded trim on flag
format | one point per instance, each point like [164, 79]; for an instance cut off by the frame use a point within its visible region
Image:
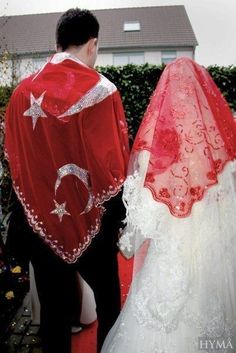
[107, 195]
[39, 228]
[95, 95]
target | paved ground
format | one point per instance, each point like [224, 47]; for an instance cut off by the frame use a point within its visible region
[22, 335]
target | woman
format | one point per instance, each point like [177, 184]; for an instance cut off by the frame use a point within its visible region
[181, 203]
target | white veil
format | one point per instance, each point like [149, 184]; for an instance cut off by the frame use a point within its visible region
[184, 268]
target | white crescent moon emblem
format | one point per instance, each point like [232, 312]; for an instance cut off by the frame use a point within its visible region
[82, 175]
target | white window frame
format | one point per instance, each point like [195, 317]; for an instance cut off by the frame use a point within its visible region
[132, 26]
[128, 55]
[168, 56]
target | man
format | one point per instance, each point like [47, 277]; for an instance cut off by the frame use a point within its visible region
[67, 146]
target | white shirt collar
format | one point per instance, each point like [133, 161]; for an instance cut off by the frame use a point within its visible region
[61, 56]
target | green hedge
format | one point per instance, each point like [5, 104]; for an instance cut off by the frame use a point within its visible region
[225, 78]
[136, 83]
[5, 93]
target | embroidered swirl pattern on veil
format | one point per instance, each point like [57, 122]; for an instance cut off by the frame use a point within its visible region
[189, 130]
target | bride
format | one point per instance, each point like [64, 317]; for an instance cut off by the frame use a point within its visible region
[181, 205]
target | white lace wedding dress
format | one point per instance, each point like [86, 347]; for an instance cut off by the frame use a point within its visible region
[183, 293]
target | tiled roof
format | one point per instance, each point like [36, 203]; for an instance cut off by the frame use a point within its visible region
[163, 26]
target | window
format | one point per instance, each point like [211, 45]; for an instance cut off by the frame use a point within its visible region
[128, 58]
[131, 26]
[167, 56]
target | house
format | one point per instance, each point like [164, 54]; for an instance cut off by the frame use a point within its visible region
[139, 35]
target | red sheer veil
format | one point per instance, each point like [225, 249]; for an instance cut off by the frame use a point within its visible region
[189, 130]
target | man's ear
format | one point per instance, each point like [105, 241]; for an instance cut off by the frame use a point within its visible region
[92, 43]
[57, 48]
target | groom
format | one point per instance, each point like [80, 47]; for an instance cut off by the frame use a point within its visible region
[67, 146]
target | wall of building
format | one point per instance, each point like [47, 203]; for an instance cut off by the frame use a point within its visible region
[150, 56]
[187, 53]
[27, 65]
[6, 73]
[104, 59]
[20, 69]
[26, 68]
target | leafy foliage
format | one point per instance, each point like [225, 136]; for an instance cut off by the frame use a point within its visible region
[136, 84]
[5, 94]
[225, 78]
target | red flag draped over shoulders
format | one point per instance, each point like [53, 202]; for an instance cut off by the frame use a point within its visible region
[67, 146]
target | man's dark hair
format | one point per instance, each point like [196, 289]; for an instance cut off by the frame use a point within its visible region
[76, 27]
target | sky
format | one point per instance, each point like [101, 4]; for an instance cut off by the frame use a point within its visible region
[213, 21]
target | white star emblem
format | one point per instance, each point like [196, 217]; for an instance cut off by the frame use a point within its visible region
[35, 110]
[60, 210]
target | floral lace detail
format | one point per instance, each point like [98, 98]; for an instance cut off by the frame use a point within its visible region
[170, 278]
[125, 243]
[171, 283]
[139, 219]
[182, 292]
[190, 134]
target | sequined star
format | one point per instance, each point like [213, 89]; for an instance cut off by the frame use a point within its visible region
[35, 110]
[60, 210]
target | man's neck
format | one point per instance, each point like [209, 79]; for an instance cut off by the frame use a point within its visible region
[78, 53]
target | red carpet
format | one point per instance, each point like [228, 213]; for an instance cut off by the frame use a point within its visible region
[85, 342]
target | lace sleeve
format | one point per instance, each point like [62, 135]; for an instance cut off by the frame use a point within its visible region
[142, 214]
[130, 198]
